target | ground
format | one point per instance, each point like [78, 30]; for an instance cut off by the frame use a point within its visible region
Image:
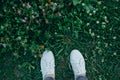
[27, 28]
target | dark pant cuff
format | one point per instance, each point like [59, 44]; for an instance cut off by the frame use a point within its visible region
[49, 78]
[81, 78]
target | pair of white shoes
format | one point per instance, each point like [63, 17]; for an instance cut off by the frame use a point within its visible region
[76, 60]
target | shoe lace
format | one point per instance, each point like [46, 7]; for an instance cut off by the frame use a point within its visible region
[78, 66]
[50, 67]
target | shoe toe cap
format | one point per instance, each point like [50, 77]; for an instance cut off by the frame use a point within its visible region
[75, 56]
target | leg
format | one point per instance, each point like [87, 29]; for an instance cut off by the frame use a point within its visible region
[78, 65]
[81, 78]
[49, 78]
[48, 65]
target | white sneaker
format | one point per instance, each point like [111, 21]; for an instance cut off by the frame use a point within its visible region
[78, 63]
[48, 64]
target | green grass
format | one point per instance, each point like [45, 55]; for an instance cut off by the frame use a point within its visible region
[27, 28]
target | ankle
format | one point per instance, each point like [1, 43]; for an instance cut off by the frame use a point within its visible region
[81, 77]
[50, 76]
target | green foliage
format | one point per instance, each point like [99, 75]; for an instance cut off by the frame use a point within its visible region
[75, 2]
[28, 27]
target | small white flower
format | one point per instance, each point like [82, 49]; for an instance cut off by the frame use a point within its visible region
[55, 32]
[114, 37]
[104, 7]
[40, 7]
[55, 4]
[88, 24]
[31, 29]
[69, 28]
[23, 20]
[23, 5]
[4, 45]
[59, 14]
[116, 7]
[99, 42]
[35, 56]
[103, 37]
[106, 44]
[103, 26]
[90, 31]
[105, 17]
[88, 11]
[117, 0]
[99, 2]
[19, 12]
[33, 16]
[90, 14]
[83, 4]
[19, 38]
[97, 47]
[102, 60]
[106, 21]
[110, 29]
[98, 36]
[103, 23]
[94, 11]
[97, 22]
[28, 5]
[43, 10]
[92, 34]
[13, 7]
[114, 53]
[110, 44]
